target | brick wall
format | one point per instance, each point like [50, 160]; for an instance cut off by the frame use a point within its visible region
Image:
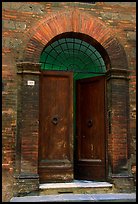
[18, 19]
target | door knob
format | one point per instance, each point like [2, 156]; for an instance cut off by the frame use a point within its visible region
[55, 120]
[90, 123]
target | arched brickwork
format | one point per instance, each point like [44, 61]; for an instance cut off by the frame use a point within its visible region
[79, 22]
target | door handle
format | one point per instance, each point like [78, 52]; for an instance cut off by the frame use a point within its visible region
[55, 120]
[90, 123]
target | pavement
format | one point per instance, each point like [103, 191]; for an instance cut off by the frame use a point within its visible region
[69, 197]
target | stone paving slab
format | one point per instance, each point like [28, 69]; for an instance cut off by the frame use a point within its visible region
[108, 197]
[115, 196]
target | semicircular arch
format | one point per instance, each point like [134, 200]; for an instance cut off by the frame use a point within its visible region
[75, 21]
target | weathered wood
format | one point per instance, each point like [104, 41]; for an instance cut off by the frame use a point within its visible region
[56, 126]
[91, 142]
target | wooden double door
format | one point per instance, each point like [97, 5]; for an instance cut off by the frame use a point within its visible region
[63, 155]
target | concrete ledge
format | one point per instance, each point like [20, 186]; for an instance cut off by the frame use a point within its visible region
[108, 197]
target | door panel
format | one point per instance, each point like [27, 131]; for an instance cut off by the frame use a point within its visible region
[56, 126]
[90, 129]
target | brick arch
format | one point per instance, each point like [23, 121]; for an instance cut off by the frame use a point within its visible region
[79, 22]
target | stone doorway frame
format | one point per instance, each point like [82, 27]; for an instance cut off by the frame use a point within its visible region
[118, 150]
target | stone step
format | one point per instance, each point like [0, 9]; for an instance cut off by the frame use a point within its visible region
[106, 197]
[76, 186]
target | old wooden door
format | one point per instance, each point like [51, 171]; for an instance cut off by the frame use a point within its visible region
[90, 129]
[56, 126]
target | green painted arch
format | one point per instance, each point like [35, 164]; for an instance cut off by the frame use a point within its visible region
[73, 54]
